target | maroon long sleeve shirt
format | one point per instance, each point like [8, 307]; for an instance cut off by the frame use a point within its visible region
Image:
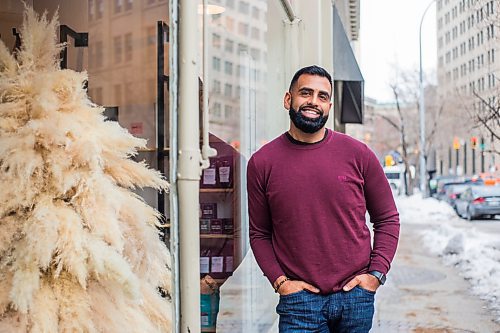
[307, 206]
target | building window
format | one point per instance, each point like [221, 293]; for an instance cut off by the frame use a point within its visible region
[150, 35]
[255, 13]
[91, 9]
[255, 53]
[128, 4]
[216, 64]
[100, 9]
[242, 48]
[228, 90]
[228, 67]
[99, 59]
[228, 111]
[128, 47]
[255, 33]
[117, 49]
[243, 7]
[216, 41]
[229, 23]
[118, 5]
[216, 110]
[243, 28]
[216, 87]
[118, 94]
[229, 46]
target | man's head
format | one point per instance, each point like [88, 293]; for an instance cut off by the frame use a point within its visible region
[309, 98]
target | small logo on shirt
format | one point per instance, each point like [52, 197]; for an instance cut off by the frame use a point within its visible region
[342, 178]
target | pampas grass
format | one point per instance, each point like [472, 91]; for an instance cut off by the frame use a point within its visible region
[79, 251]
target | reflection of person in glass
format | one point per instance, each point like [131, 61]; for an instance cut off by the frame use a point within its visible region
[308, 192]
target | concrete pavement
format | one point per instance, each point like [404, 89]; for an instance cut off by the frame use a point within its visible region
[422, 295]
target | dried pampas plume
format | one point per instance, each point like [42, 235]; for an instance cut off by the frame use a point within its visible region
[79, 251]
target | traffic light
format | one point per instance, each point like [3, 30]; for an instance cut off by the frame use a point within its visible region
[456, 143]
[482, 145]
[473, 142]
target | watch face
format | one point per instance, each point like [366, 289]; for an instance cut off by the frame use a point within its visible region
[380, 276]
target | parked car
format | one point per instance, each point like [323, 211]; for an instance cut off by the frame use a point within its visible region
[453, 192]
[444, 182]
[479, 201]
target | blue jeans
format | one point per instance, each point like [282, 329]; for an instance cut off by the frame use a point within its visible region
[349, 312]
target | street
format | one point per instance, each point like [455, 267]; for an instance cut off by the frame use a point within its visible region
[423, 295]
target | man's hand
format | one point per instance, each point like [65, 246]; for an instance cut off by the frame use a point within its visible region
[293, 286]
[365, 281]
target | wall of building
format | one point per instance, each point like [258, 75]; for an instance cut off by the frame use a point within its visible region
[468, 67]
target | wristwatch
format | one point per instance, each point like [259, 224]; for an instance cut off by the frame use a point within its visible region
[379, 275]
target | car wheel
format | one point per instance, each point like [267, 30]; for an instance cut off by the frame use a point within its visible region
[469, 215]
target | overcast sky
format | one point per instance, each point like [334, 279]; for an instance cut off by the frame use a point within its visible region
[389, 40]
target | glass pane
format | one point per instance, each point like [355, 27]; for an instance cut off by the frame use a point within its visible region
[246, 71]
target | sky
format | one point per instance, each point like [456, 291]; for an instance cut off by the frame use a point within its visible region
[389, 32]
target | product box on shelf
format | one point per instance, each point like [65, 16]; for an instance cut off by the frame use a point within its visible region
[204, 226]
[225, 171]
[208, 210]
[209, 176]
[227, 226]
[216, 226]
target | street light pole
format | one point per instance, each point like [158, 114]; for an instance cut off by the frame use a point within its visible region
[423, 177]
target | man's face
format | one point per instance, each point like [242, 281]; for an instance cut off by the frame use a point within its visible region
[309, 102]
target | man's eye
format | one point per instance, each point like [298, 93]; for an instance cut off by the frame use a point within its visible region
[305, 93]
[324, 97]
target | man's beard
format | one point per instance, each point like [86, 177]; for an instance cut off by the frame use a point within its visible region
[305, 124]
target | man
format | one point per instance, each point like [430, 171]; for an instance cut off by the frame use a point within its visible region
[308, 192]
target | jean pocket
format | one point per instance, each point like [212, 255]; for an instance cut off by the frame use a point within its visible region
[297, 293]
[369, 292]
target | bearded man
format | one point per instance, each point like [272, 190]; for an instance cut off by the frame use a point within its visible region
[308, 192]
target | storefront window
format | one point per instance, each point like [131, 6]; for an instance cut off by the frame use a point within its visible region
[245, 109]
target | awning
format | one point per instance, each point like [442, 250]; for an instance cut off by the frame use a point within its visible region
[347, 75]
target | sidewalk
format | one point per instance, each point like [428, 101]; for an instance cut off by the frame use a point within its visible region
[422, 295]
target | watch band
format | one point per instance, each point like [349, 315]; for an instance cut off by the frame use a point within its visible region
[379, 275]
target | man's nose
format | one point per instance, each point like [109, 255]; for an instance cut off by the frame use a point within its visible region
[314, 99]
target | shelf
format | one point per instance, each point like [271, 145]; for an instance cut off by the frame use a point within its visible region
[212, 236]
[150, 150]
[216, 190]
[203, 329]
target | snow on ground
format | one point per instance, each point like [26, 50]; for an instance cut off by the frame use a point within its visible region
[475, 254]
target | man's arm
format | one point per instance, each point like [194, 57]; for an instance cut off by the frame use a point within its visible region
[383, 214]
[260, 223]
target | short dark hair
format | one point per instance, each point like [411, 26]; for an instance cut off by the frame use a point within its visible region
[311, 70]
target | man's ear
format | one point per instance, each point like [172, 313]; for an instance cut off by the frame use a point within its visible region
[287, 100]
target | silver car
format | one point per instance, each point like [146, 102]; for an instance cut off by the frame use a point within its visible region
[479, 201]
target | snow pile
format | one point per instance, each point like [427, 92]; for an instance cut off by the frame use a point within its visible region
[415, 209]
[476, 255]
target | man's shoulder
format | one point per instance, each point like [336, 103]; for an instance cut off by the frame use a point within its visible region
[348, 141]
[269, 148]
